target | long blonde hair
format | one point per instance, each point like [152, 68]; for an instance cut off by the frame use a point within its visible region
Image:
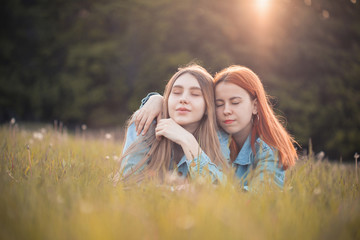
[158, 158]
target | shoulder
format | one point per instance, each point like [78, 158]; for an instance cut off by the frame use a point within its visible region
[266, 154]
[262, 147]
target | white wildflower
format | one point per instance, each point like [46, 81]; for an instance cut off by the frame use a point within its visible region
[116, 158]
[108, 136]
[317, 191]
[38, 135]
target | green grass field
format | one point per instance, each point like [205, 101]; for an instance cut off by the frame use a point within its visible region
[56, 186]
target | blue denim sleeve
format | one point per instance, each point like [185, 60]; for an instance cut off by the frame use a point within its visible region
[133, 159]
[131, 136]
[268, 170]
[202, 166]
[145, 99]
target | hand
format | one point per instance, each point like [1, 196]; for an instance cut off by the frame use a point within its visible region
[146, 114]
[170, 129]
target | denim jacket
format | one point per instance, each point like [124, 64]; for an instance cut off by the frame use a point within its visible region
[199, 165]
[254, 169]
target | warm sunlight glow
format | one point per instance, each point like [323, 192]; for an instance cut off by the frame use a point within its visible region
[262, 4]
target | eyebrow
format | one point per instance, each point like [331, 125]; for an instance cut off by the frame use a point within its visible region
[232, 98]
[191, 88]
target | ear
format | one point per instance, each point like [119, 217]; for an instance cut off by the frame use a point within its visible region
[254, 106]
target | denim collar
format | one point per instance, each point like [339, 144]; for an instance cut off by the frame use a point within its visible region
[244, 156]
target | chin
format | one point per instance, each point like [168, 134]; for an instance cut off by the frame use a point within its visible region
[228, 130]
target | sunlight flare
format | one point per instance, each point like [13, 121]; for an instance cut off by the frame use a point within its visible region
[262, 4]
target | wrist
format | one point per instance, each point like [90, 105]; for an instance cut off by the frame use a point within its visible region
[190, 145]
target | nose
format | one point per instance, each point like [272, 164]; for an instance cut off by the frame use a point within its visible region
[184, 99]
[227, 109]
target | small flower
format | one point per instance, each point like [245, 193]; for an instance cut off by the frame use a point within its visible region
[38, 135]
[83, 127]
[12, 121]
[356, 156]
[108, 136]
[116, 158]
[320, 156]
[317, 191]
[107, 157]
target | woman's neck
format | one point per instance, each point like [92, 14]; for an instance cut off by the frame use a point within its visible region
[241, 136]
[191, 128]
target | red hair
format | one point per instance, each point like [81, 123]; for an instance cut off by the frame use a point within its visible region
[265, 125]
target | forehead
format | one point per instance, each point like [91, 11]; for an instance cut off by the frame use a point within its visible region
[186, 81]
[229, 90]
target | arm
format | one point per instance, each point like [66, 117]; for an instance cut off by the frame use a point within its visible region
[197, 161]
[150, 109]
[170, 129]
[132, 160]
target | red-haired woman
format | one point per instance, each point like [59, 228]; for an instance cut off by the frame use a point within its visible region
[260, 148]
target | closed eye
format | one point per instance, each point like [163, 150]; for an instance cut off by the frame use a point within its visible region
[219, 104]
[176, 91]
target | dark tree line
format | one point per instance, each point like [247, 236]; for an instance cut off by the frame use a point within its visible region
[92, 61]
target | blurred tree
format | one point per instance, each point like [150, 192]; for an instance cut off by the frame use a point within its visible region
[92, 61]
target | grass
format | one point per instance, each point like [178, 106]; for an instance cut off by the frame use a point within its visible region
[56, 186]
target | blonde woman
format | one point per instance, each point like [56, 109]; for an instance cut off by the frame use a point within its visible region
[185, 136]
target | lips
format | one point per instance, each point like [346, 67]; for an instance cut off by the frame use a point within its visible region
[229, 121]
[182, 110]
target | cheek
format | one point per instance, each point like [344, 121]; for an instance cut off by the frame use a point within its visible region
[202, 106]
[218, 113]
[170, 101]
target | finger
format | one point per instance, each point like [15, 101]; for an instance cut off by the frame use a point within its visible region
[137, 120]
[141, 125]
[158, 134]
[158, 118]
[146, 126]
[159, 127]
